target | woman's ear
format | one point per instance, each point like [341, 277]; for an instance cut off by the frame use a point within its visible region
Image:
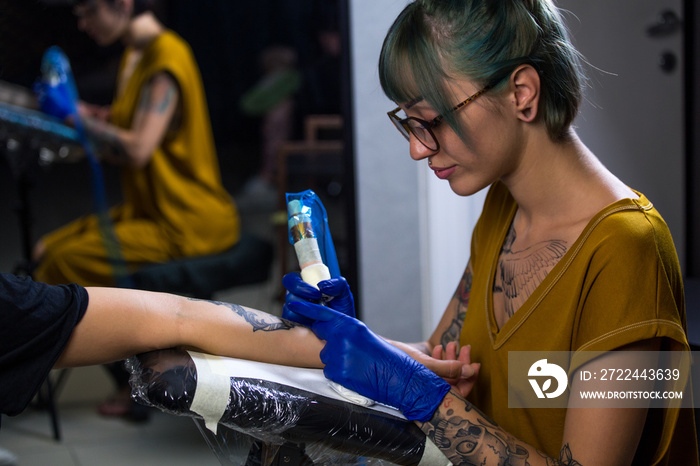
[526, 84]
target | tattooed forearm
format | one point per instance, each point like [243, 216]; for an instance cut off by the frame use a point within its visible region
[465, 288]
[258, 320]
[468, 437]
[455, 328]
[462, 296]
[565, 458]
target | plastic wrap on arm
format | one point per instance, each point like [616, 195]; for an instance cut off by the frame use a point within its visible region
[167, 380]
[275, 415]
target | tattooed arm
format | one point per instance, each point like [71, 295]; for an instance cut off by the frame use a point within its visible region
[468, 437]
[155, 115]
[600, 437]
[120, 323]
[591, 435]
[450, 326]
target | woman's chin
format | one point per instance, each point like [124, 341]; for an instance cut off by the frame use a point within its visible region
[466, 189]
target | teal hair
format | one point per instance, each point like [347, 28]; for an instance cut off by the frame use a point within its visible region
[433, 41]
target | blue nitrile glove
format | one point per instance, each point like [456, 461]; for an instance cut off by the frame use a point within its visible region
[55, 99]
[335, 288]
[358, 359]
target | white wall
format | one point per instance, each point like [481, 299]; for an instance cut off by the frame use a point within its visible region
[445, 241]
[413, 232]
[386, 184]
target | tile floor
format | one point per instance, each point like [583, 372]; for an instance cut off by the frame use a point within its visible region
[89, 439]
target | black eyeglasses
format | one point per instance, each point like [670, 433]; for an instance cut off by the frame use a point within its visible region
[423, 130]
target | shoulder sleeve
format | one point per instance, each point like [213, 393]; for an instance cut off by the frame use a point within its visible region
[633, 289]
[36, 321]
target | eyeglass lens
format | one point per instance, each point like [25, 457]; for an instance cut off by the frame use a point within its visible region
[413, 126]
[400, 126]
[422, 133]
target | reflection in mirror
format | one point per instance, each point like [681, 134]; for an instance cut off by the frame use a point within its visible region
[275, 75]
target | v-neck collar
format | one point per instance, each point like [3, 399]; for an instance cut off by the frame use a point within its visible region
[500, 335]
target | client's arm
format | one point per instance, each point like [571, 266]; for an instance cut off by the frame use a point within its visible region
[156, 114]
[120, 323]
[451, 366]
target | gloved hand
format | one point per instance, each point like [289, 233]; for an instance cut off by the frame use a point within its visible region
[55, 99]
[358, 359]
[334, 292]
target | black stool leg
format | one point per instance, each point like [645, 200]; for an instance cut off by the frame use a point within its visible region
[46, 400]
[23, 163]
[53, 412]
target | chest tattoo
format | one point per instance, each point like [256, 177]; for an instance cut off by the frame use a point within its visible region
[520, 272]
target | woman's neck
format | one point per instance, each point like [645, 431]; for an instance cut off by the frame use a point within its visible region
[561, 181]
[142, 30]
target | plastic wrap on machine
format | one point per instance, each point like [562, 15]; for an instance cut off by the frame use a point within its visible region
[313, 215]
[264, 420]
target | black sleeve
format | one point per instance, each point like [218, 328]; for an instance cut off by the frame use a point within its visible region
[36, 321]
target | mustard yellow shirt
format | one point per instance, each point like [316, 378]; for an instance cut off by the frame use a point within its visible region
[619, 283]
[180, 188]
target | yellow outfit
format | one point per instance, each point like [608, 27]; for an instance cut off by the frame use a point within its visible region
[176, 206]
[619, 283]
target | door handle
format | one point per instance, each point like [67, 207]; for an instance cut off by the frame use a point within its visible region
[668, 23]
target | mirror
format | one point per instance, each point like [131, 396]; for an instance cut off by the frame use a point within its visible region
[275, 73]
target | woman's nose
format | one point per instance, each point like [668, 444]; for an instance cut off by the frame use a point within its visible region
[417, 149]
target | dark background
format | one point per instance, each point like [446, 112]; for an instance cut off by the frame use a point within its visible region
[227, 38]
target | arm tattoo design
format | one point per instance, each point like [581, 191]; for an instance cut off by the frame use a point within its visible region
[161, 106]
[257, 320]
[476, 442]
[469, 438]
[565, 458]
[521, 272]
[462, 296]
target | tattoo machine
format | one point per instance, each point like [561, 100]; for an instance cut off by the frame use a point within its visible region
[310, 235]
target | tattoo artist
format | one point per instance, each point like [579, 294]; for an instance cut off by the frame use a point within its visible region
[565, 256]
